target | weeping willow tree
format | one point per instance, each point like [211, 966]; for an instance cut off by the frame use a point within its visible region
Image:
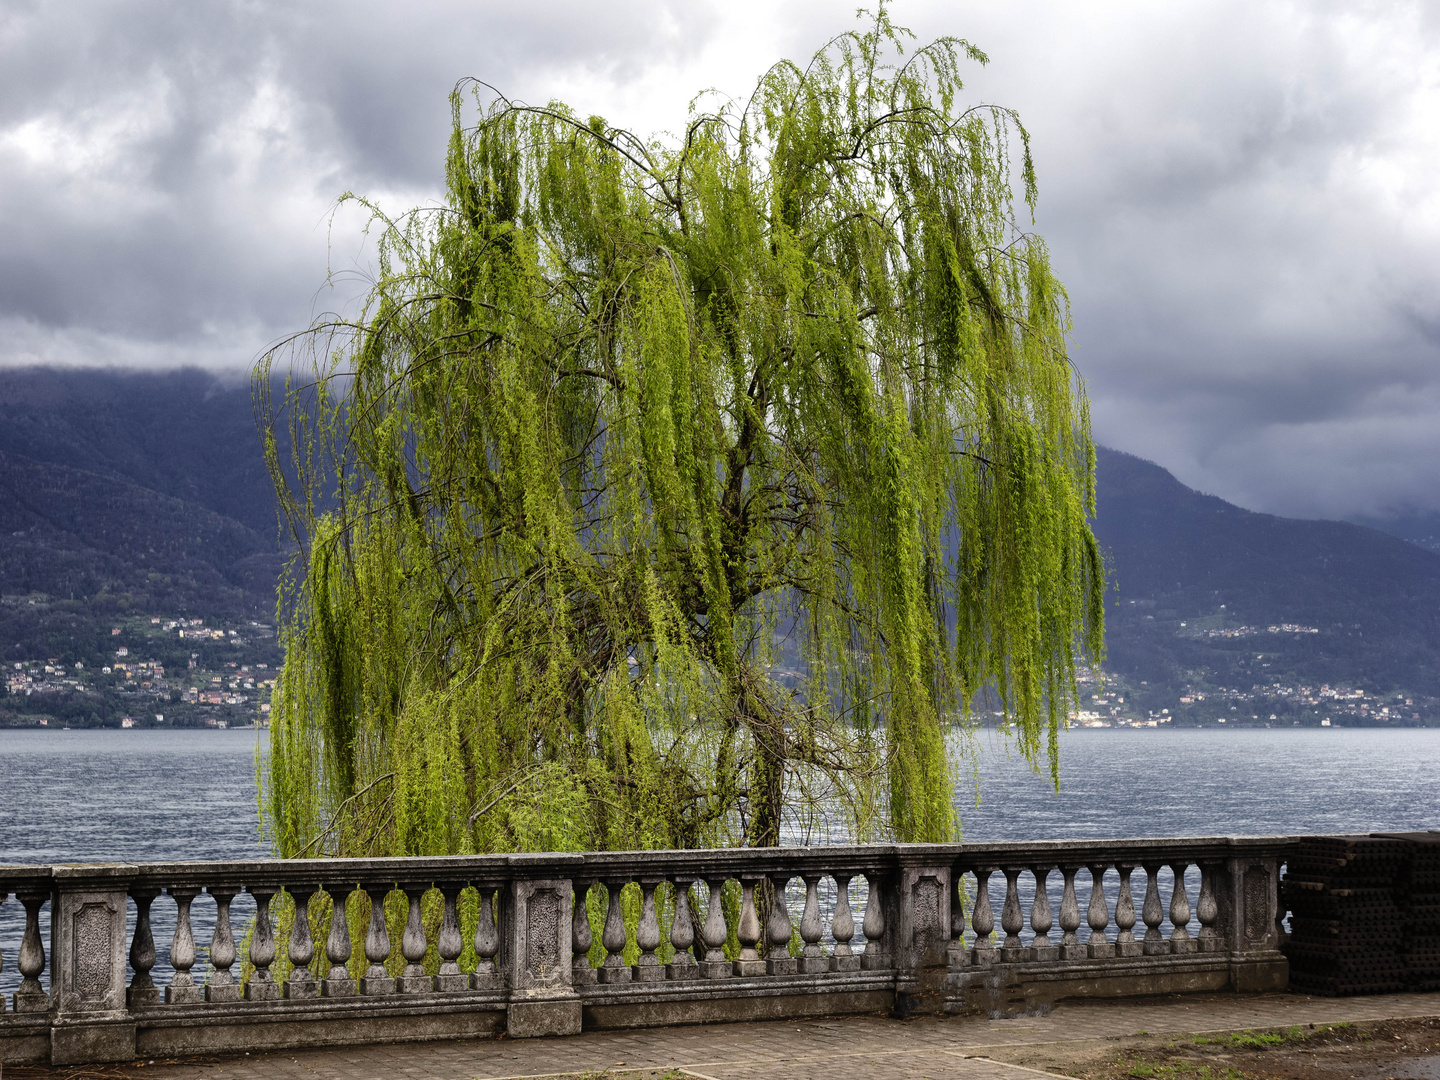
[665, 492]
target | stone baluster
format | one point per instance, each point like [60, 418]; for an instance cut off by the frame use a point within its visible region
[30, 997]
[581, 936]
[338, 983]
[1070, 947]
[1097, 916]
[682, 931]
[1042, 950]
[413, 945]
[842, 928]
[142, 990]
[875, 957]
[715, 966]
[779, 930]
[1012, 920]
[648, 968]
[747, 931]
[613, 937]
[182, 989]
[376, 980]
[262, 985]
[1180, 939]
[957, 955]
[1125, 943]
[487, 944]
[1153, 913]
[1207, 910]
[301, 984]
[450, 944]
[812, 960]
[222, 985]
[982, 920]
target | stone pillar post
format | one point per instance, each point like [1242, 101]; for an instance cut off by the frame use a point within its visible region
[536, 934]
[90, 1022]
[920, 897]
[1247, 894]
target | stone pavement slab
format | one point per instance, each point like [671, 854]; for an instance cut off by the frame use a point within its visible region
[833, 1048]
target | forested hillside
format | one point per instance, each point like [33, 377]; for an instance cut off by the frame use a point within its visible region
[125, 496]
[1198, 585]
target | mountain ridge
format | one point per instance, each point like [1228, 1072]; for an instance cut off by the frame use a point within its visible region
[150, 489]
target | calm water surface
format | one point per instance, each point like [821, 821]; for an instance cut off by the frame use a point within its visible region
[76, 796]
[1207, 782]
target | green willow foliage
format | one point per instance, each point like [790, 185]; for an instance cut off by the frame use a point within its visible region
[686, 485]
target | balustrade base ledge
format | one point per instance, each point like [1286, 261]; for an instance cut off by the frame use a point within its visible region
[819, 987]
[762, 998]
[353, 1022]
[1010, 989]
[24, 1038]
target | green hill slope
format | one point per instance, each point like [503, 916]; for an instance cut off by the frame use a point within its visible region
[1199, 583]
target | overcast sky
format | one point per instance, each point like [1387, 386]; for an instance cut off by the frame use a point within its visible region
[1241, 197]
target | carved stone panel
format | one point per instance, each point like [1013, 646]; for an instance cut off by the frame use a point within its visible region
[91, 952]
[926, 933]
[1257, 905]
[536, 933]
[88, 961]
[542, 942]
[924, 930]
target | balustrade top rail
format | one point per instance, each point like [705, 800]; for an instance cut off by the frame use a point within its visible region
[498, 868]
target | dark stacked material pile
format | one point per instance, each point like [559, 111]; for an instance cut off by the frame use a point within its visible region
[1346, 930]
[1417, 894]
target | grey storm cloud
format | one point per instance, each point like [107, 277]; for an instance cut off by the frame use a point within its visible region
[1239, 196]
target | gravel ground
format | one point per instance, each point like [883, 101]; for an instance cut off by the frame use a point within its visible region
[1383, 1050]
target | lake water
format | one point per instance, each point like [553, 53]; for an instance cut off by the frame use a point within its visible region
[77, 796]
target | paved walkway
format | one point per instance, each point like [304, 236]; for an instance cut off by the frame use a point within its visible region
[852, 1048]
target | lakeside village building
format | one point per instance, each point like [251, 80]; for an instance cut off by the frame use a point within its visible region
[236, 684]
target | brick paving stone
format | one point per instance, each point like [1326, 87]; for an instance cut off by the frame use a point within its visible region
[872, 1047]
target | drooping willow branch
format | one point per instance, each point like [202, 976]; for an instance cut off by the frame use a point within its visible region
[669, 494]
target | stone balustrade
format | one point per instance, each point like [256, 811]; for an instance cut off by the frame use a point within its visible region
[550, 943]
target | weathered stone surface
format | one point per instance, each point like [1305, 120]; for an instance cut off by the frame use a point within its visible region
[338, 988]
[351, 1022]
[83, 1042]
[531, 1018]
[530, 942]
